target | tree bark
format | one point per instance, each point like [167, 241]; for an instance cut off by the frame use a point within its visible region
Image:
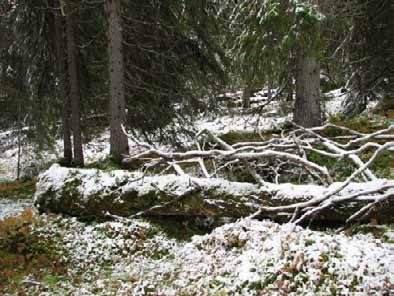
[61, 87]
[74, 93]
[118, 139]
[307, 111]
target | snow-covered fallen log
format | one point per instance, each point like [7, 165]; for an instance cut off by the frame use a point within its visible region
[89, 193]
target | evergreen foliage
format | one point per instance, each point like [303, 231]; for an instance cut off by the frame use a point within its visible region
[370, 53]
[171, 59]
[179, 51]
[26, 70]
[267, 35]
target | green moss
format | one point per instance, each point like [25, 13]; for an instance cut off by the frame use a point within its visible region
[106, 165]
[363, 124]
[378, 231]
[340, 169]
[18, 189]
[381, 165]
[52, 280]
[309, 242]
[233, 137]
[270, 279]
[216, 283]
[334, 290]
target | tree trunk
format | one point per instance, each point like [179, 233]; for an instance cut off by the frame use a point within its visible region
[246, 94]
[92, 194]
[118, 139]
[75, 94]
[307, 111]
[20, 85]
[356, 101]
[18, 168]
[61, 87]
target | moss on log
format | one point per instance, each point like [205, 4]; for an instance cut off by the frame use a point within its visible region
[91, 194]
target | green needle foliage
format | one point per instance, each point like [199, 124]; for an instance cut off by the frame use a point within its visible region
[267, 34]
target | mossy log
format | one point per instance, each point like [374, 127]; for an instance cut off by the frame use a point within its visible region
[94, 194]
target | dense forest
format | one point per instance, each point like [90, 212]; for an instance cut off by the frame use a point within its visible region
[196, 147]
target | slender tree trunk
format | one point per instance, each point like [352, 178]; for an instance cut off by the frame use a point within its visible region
[307, 111]
[18, 168]
[118, 139]
[246, 94]
[356, 101]
[19, 97]
[269, 92]
[74, 93]
[61, 87]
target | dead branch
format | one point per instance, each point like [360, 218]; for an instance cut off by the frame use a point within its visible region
[286, 155]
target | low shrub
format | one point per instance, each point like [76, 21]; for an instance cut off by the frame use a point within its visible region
[24, 252]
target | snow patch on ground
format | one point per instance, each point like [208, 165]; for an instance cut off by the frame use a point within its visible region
[241, 124]
[12, 207]
[334, 100]
[267, 119]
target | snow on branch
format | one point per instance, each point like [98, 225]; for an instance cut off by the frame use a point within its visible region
[287, 157]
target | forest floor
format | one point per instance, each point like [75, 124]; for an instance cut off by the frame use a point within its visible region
[58, 255]
[245, 257]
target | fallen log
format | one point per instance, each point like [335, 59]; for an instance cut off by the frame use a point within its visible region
[94, 194]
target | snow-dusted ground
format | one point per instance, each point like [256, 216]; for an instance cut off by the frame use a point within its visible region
[247, 257]
[266, 120]
[12, 207]
[334, 100]
[32, 162]
[242, 123]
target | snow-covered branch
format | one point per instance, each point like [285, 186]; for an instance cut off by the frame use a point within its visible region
[289, 153]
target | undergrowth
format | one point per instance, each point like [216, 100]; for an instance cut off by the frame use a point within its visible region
[24, 252]
[107, 165]
[381, 232]
[343, 168]
[362, 124]
[23, 189]
[234, 137]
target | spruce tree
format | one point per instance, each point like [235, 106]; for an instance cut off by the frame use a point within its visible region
[274, 35]
[370, 53]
